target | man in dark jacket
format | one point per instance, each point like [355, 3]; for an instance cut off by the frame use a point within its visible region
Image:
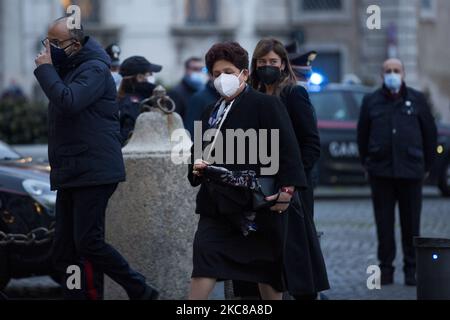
[86, 160]
[397, 139]
[194, 79]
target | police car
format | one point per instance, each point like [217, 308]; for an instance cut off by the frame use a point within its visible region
[337, 107]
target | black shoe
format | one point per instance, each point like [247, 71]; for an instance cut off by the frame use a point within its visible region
[410, 279]
[150, 293]
[387, 278]
[3, 296]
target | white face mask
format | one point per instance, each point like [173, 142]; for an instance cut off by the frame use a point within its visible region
[228, 84]
[151, 79]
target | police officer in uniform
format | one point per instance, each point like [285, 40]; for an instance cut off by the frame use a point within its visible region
[302, 67]
[114, 51]
[137, 84]
[301, 64]
[397, 140]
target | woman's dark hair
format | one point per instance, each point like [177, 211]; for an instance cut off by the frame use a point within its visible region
[127, 86]
[228, 51]
[264, 47]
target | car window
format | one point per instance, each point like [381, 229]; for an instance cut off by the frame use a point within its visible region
[358, 96]
[6, 153]
[331, 106]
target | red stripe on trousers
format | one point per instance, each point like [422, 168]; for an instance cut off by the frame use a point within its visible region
[91, 291]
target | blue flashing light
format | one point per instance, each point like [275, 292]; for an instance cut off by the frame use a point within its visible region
[317, 79]
[435, 257]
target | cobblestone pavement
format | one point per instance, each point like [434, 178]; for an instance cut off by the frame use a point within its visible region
[349, 246]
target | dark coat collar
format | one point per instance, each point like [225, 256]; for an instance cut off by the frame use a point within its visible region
[395, 96]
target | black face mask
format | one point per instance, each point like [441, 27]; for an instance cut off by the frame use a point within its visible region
[144, 89]
[59, 55]
[268, 74]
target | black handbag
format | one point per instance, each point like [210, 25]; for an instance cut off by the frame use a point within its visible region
[234, 185]
[266, 187]
[230, 199]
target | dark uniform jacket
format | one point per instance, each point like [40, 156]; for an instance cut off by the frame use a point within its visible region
[84, 142]
[397, 135]
[181, 95]
[304, 120]
[130, 108]
[198, 104]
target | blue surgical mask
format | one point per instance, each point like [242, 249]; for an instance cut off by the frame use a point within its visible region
[197, 80]
[393, 81]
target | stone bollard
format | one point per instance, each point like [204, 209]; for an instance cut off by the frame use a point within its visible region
[150, 218]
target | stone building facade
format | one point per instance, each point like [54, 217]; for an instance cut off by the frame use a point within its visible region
[169, 31]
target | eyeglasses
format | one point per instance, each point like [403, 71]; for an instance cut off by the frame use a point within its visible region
[57, 43]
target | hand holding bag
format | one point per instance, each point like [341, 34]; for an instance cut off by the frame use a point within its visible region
[260, 188]
[266, 187]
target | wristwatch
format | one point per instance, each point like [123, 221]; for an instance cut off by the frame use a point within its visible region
[288, 191]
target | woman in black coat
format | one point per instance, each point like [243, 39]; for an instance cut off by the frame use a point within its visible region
[272, 73]
[221, 250]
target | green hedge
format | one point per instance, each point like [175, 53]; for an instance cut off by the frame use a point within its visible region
[23, 122]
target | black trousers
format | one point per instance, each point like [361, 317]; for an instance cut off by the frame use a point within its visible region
[386, 193]
[80, 241]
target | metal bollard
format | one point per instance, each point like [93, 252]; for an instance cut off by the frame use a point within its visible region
[433, 268]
